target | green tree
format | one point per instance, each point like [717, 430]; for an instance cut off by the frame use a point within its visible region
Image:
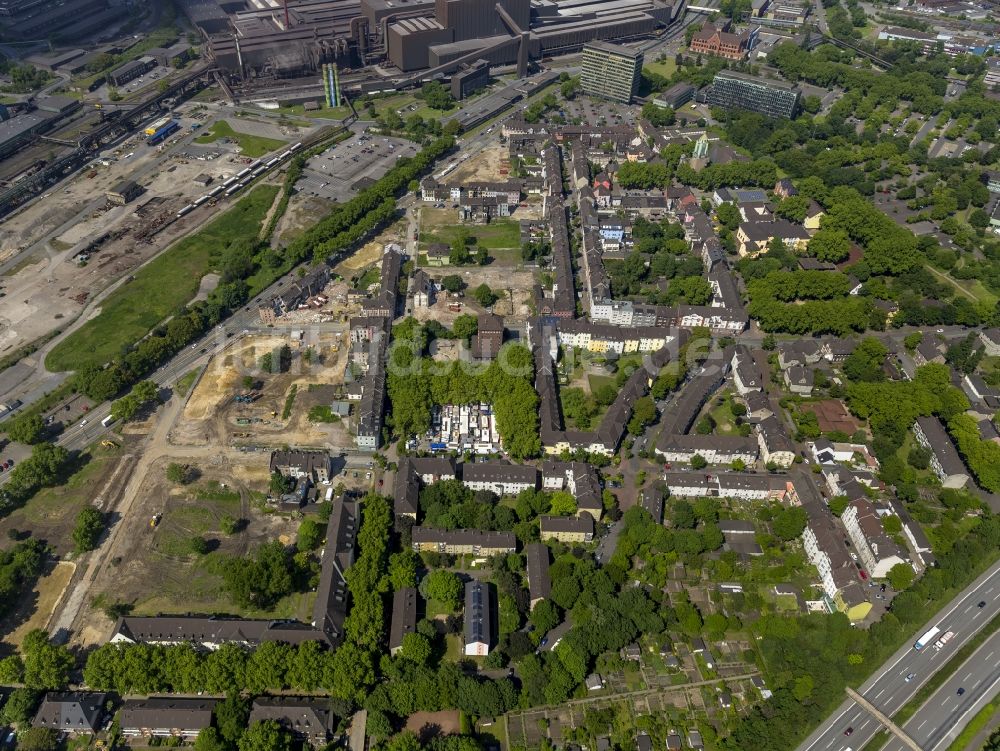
[231, 715]
[729, 216]
[266, 735]
[311, 534]
[11, 669]
[177, 473]
[26, 429]
[698, 462]
[900, 576]
[643, 413]
[484, 295]
[912, 341]
[452, 283]
[789, 523]
[38, 739]
[209, 740]
[442, 586]
[403, 569]
[563, 504]
[830, 245]
[20, 706]
[88, 529]
[416, 647]
[46, 665]
[838, 504]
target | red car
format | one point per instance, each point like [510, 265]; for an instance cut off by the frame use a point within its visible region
[862, 574]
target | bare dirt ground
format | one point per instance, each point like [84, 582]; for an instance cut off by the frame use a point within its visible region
[484, 166]
[49, 287]
[371, 252]
[212, 417]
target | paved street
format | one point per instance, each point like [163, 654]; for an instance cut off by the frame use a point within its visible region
[888, 688]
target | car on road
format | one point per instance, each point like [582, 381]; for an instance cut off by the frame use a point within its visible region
[82, 423]
[848, 731]
[910, 677]
[982, 604]
[960, 691]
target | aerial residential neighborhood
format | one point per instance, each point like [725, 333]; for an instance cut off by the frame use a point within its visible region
[532, 374]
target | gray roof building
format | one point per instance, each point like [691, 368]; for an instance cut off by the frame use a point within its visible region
[166, 716]
[307, 718]
[404, 617]
[539, 582]
[478, 618]
[71, 712]
[330, 608]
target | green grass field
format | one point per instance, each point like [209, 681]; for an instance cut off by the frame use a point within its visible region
[160, 287]
[441, 226]
[665, 69]
[252, 146]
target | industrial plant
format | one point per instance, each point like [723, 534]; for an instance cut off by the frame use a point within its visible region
[256, 43]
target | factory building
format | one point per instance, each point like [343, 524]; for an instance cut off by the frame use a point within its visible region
[131, 70]
[407, 41]
[475, 19]
[70, 20]
[611, 71]
[470, 79]
[732, 90]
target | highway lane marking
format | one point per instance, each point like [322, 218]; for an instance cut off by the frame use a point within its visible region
[968, 676]
[989, 656]
[831, 742]
[921, 724]
[880, 693]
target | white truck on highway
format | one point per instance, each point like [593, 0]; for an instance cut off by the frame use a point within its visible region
[927, 638]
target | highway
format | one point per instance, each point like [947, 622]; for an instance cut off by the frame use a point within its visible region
[945, 713]
[888, 688]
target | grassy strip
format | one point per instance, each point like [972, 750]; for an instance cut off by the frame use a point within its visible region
[185, 382]
[159, 288]
[252, 146]
[289, 401]
[982, 719]
[878, 740]
[947, 670]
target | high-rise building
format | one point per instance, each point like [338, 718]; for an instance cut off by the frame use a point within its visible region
[611, 71]
[733, 90]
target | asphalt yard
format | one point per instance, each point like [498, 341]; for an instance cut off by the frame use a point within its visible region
[335, 174]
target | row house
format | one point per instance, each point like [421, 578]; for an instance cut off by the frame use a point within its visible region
[592, 337]
[737, 485]
[580, 479]
[166, 717]
[463, 541]
[775, 445]
[714, 449]
[876, 549]
[499, 478]
[567, 528]
[838, 575]
[746, 375]
[945, 460]
[754, 238]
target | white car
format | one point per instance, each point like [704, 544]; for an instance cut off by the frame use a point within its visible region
[83, 422]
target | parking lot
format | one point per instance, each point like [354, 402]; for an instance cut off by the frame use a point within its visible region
[334, 174]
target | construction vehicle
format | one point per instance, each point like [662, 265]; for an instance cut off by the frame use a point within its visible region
[155, 520]
[109, 444]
